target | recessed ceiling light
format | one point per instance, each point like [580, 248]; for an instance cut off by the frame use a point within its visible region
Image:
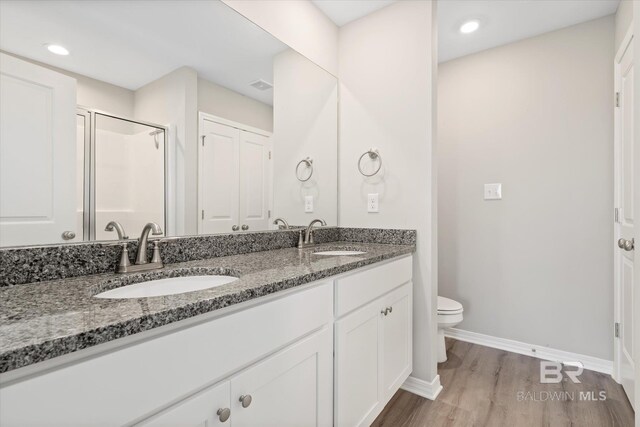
[57, 49]
[469, 27]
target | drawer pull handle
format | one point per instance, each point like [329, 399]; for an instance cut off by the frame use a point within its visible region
[245, 399]
[223, 414]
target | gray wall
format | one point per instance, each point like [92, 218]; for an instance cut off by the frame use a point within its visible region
[537, 116]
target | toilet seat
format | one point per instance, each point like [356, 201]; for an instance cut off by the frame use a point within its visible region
[448, 306]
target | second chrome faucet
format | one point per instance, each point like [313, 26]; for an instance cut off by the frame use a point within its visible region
[305, 237]
[141, 263]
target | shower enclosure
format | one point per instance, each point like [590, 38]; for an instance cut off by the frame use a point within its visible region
[121, 168]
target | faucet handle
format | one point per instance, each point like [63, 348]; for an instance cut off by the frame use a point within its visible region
[124, 259]
[300, 239]
[311, 237]
[156, 252]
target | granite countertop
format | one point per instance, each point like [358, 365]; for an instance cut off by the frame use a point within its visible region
[40, 321]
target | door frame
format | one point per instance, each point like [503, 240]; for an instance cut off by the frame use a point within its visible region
[202, 116]
[616, 202]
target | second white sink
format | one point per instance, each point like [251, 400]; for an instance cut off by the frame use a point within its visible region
[168, 286]
[339, 253]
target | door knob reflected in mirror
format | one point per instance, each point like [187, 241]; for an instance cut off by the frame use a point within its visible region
[627, 245]
[235, 228]
[245, 227]
[68, 235]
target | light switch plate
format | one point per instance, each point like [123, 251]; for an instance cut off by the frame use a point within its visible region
[308, 204]
[372, 202]
[493, 191]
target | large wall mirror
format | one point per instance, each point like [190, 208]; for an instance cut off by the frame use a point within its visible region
[182, 113]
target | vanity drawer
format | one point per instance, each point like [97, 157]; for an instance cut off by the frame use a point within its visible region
[357, 289]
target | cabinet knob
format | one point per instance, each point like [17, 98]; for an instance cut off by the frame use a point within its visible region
[223, 414]
[235, 228]
[245, 227]
[245, 399]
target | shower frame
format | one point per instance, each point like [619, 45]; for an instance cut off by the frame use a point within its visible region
[89, 167]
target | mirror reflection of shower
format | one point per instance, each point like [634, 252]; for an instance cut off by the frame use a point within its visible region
[123, 171]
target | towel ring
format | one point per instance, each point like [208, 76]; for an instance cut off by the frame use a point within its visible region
[373, 155]
[309, 162]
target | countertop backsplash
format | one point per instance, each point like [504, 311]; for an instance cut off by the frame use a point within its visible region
[21, 265]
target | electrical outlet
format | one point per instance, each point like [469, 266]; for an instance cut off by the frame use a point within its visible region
[493, 191]
[372, 202]
[308, 204]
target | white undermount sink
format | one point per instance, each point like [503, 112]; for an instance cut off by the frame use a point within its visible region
[339, 253]
[168, 286]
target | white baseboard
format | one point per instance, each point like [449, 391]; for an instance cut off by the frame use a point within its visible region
[426, 389]
[546, 353]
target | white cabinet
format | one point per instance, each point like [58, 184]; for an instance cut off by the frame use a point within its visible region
[396, 343]
[234, 178]
[357, 366]
[291, 388]
[373, 353]
[206, 409]
[285, 351]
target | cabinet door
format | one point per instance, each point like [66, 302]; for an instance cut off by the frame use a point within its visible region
[219, 177]
[291, 388]
[358, 366]
[396, 340]
[255, 177]
[197, 411]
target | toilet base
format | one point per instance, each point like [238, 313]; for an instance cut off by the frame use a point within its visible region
[442, 349]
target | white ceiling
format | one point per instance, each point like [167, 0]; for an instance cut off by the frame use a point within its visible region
[506, 21]
[132, 43]
[344, 11]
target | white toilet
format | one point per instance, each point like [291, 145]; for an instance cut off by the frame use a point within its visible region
[449, 315]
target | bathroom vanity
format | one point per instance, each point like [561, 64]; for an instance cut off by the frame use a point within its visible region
[300, 339]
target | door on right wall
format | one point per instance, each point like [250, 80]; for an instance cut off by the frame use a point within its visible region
[624, 226]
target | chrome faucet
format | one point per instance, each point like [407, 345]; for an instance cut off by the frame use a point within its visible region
[115, 225]
[141, 257]
[282, 220]
[307, 240]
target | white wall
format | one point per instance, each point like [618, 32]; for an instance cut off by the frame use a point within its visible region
[624, 16]
[537, 116]
[222, 102]
[387, 69]
[173, 100]
[306, 125]
[299, 24]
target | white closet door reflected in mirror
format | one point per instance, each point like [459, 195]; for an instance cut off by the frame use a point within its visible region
[235, 176]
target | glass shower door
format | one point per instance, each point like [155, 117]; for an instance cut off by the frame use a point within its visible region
[129, 175]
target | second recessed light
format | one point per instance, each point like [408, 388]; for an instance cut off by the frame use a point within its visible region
[469, 27]
[57, 49]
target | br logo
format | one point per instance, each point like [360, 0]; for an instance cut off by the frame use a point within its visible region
[554, 372]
